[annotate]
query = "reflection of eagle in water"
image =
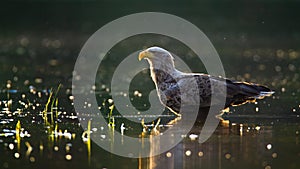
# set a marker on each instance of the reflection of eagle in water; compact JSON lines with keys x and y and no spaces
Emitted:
{"x":175,"y":88}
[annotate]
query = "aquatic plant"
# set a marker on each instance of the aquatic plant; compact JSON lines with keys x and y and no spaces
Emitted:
{"x":54,"y":102}
{"x":18,"y":131}
{"x":111,"y":119}
{"x":86,"y":135}
{"x":45,"y":111}
{"x":86,"y":138}
{"x":155,"y":130}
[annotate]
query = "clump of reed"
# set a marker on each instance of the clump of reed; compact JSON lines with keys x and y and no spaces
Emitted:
{"x":51,"y":107}
{"x":111,"y":119}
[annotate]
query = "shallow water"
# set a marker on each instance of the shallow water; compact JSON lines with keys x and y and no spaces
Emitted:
{"x":257,"y":42}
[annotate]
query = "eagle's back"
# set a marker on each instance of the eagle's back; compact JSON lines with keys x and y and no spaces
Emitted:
{"x":181,"y":88}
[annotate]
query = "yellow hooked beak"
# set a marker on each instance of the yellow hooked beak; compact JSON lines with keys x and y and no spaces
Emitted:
{"x":145,"y":54}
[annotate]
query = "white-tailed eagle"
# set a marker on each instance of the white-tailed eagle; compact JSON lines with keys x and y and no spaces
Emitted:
{"x":174,"y":87}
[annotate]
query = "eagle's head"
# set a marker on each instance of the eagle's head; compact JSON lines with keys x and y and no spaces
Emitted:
{"x":158,"y":58}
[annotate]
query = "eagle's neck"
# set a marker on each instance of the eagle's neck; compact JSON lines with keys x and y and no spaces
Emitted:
{"x":162,"y":79}
{"x":160,"y":76}
{"x":162,"y":73}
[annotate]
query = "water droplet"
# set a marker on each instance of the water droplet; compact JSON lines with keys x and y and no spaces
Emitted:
{"x":24,"y":41}
{"x":56,"y":148}
{"x":268,"y":167}
{"x":193,"y":136}
{"x":274,"y":155}
{"x":8,"y":85}
{"x":247,"y":75}
{"x":71,"y":97}
{"x":26,"y":82}
{"x":38,"y":80}
{"x":280,"y":53}
{"x":293,"y":54}
{"x":32,"y":159}
{"x":169,"y":154}
{"x":269,"y":146}
{"x":41,"y":147}
{"x":11,"y":146}
{"x":110,"y":101}
{"x":15,"y":69}
{"x":188,"y":153}
{"x":227,"y":156}
{"x":68,"y":157}
{"x":257,"y":128}
{"x":277,"y":68}
{"x":17,"y":155}
{"x":291,"y":67}
{"x":256,"y":58}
